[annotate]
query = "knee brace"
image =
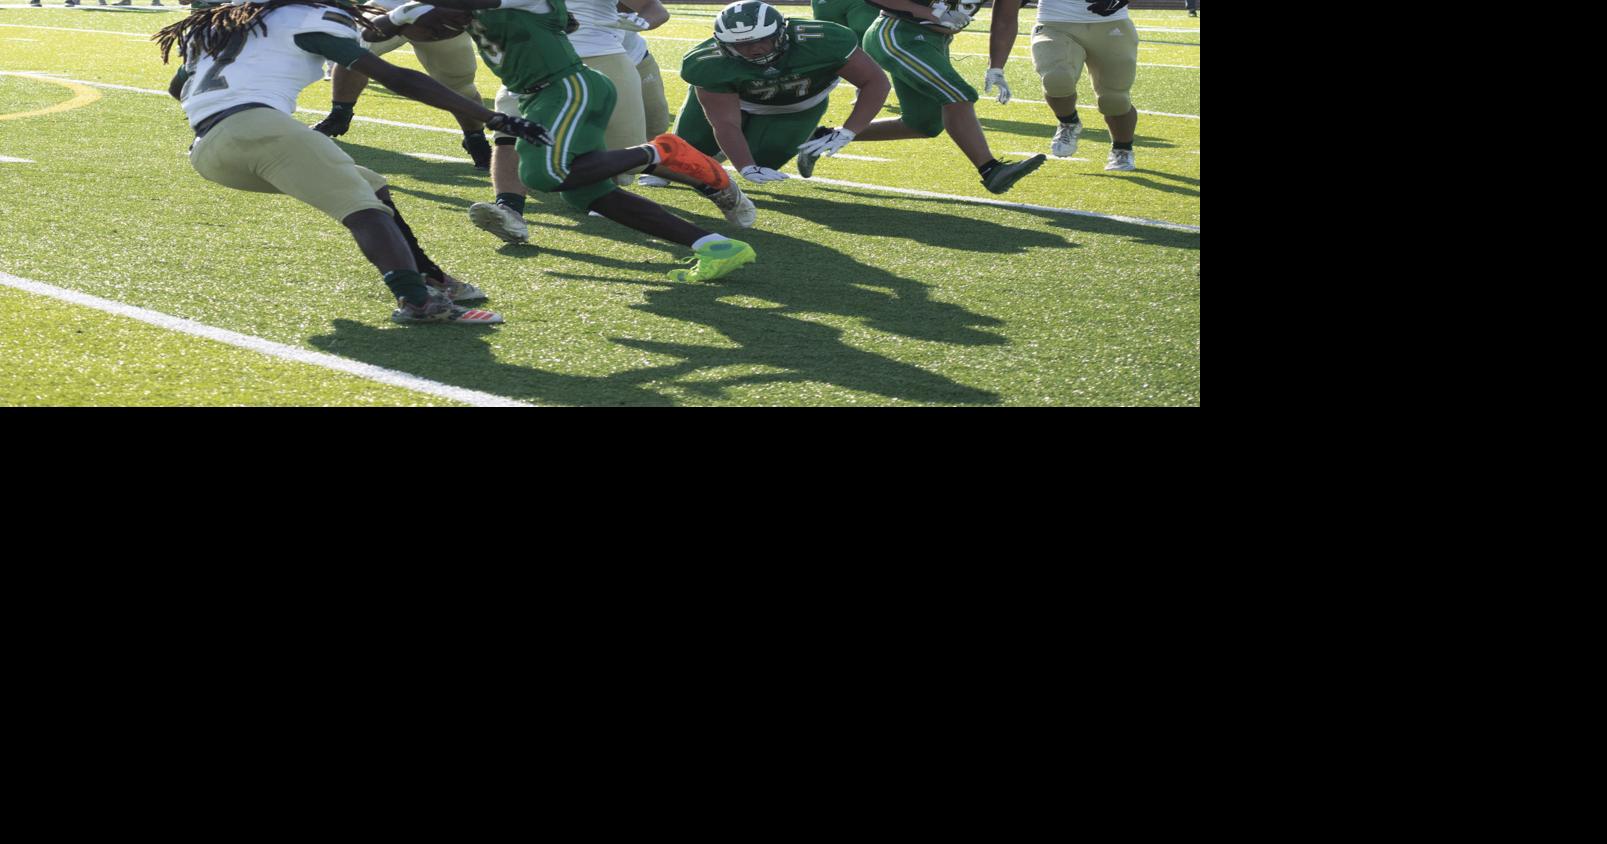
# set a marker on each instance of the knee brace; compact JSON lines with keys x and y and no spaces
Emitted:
{"x":1115,"y":105}
{"x":1059,"y":82}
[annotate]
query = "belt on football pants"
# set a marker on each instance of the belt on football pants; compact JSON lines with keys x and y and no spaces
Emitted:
{"x":211,"y":120}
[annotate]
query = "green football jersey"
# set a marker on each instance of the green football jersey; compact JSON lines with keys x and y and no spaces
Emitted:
{"x":523,"y":45}
{"x":970,"y":7}
{"x":816,"y":50}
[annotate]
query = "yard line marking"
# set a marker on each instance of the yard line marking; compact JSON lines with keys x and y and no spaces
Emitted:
{"x":82,"y":95}
{"x":1072,"y":211}
{"x":430,"y":156}
{"x":1137,"y":221}
{"x":6,"y":159}
{"x":1050,"y":158}
{"x":860,"y":157}
{"x":369,"y":371}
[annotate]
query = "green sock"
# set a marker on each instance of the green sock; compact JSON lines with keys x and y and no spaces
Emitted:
{"x":515,"y":201}
{"x":407,"y":284}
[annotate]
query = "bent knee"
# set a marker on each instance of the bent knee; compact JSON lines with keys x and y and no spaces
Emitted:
{"x":1060,"y":82}
{"x":1115,"y":105}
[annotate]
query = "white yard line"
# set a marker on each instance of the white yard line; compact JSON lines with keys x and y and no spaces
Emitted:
{"x":6,"y":159}
{"x":370,"y":372}
{"x":430,"y":156}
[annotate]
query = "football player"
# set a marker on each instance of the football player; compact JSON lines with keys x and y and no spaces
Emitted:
{"x":761,"y":84}
{"x":524,"y":44}
{"x":449,"y":61}
{"x":245,"y":65}
{"x":599,"y":43}
{"x":1069,"y":34}
{"x":911,"y":42}
{"x":655,"y":106}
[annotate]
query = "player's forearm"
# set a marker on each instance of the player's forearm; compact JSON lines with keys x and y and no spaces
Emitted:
{"x":1002,"y":31}
{"x":732,"y":142}
{"x":872,"y":95}
{"x":411,"y":83}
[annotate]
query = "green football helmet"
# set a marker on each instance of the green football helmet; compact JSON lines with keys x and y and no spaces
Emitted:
{"x":758,"y":27}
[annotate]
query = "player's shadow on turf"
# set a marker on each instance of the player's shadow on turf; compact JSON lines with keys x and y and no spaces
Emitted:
{"x":388,"y":163}
{"x":462,"y":357}
{"x":770,"y":312}
{"x":872,"y":219}
{"x":1152,"y":235}
{"x":1044,"y":130}
{"x":1144,"y":182}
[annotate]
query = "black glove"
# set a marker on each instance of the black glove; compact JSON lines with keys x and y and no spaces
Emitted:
{"x":519,"y":127}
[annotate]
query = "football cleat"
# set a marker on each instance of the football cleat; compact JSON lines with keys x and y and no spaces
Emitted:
{"x":1120,"y":159}
{"x":806,"y":162}
{"x":500,"y":220}
{"x":735,"y":205}
{"x":337,"y":123}
{"x":1064,"y":142}
{"x":1002,"y":177}
{"x":681,"y":157}
{"x":716,"y":260}
{"x":478,"y":149}
{"x":438,"y":308}
{"x":457,"y":291}
{"x":648,"y":181}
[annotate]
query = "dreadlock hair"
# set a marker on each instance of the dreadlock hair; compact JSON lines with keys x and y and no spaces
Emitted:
{"x":212,"y":29}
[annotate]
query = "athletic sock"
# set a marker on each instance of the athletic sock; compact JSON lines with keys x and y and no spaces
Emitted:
{"x":1073,"y":120}
{"x":988,"y":167}
{"x":425,"y":265}
{"x":516,"y":201}
{"x":1126,"y":145}
{"x":706,"y":240}
{"x":407,"y":285}
{"x":335,"y":106}
{"x":653,"y":157}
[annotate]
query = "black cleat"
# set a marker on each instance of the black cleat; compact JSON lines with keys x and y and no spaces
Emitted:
{"x":1000,"y":178}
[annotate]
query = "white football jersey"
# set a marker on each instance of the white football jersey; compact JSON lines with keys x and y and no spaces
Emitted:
{"x":635,"y":47}
{"x":268,"y":69}
{"x":592,"y":38}
{"x":1081,"y":11}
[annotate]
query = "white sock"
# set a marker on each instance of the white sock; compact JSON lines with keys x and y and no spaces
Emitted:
{"x":706,"y":240}
{"x":653,"y":151}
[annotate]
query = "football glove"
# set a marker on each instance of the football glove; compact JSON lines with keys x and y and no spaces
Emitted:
{"x":759,"y":175}
{"x":519,"y":128}
{"x":827,"y":144}
{"x":951,"y":18}
{"x":631,"y":22}
{"x":996,"y":77}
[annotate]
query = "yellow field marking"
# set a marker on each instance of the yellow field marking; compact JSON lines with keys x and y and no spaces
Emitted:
{"x":82,"y":95}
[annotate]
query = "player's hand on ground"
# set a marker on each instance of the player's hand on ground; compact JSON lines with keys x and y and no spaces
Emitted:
{"x":519,"y":127}
{"x":994,"y":77}
{"x":827,"y":144}
{"x":759,"y":175}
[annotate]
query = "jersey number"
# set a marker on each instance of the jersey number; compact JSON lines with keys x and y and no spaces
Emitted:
{"x":797,"y":87}
{"x":214,"y":80}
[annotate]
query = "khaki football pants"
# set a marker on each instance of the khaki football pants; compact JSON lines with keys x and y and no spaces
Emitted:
{"x":267,"y":151}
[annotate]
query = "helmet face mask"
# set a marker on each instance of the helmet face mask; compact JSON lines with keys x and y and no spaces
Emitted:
{"x":752,"y":31}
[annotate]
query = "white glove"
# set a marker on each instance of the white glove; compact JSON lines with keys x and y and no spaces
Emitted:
{"x":630,"y":21}
{"x":409,"y":12}
{"x":951,"y":18}
{"x":827,"y":144}
{"x":759,"y":175}
{"x":996,"y":77}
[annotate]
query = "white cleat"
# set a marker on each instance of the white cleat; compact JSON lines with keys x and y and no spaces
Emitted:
{"x":1120,"y":159}
{"x":1064,"y":143}
{"x":647,"y":181}
{"x":500,"y":220}
{"x":737,"y":207}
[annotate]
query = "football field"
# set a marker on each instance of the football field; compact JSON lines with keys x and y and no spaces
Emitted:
{"x":890,"y":278}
